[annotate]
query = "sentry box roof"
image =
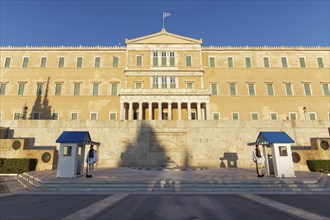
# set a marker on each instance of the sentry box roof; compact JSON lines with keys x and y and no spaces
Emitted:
{"x":76,"y":137}
{"x":272,"y":137}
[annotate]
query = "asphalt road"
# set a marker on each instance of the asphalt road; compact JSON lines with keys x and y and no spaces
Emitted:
{"x":192,"y":207}
{"x":160,"y":206}
{"x":37,"y":207}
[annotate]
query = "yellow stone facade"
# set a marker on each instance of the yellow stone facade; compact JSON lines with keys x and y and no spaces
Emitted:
{"x":164,"y":76}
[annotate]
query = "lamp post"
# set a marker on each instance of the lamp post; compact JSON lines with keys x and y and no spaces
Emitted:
{"x":305,"y":112}
{"x":25,"y":108}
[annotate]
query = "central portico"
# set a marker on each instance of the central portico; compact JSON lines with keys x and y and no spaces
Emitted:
{"x":170,"y":88}
{"x":150,"y":105}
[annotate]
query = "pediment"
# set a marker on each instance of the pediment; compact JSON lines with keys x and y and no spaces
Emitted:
{"x":163,"y":37}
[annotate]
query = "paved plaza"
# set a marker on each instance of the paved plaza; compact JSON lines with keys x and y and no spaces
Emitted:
{"x":145,"y":174}
{"x":19,"y":203}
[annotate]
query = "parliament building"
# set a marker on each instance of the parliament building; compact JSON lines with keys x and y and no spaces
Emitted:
{"x":165,"y":77}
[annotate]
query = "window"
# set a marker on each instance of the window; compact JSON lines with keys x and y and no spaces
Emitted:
{"x":172,"y":59}
{"x":266,"y":62}
{"x":61,"y":62}
{"x":188,"y":60}
{"x":248,"y":63}
{"x":312,"y":116}
{"x":254,"y":116}
{"x":96,"y":89}
{"x":21,"y":88}
{"x":114,"y":88}
{"x":284,"y":62}
{"x":172,"y":82}
{"x":112,"y":115}
{"x":288,"y":89}
{"x":139,"y":60}
{"x":74,"y":116}
{"x":189,"y":85}
{"x":283,"y":151}
{"x":58,"y":89}
{"x":214,"y":88}
{"x":25,"y":62}
{"x":43,"y":62}
{"x":55,"y":116}
{"x":93,"y":116}
{"x":164,"y":82}
{"x":273,"y":115}
{"x":35,"y":115}
{"x":155,"y":59}
{"x":115,"y":62}
{"x":320,"y":62}
{"x":292,"y":115}
{"x":3,"y":88}
{"x":326,"y":90}
{"x":67,"y":151}
{"x":97,"y":62}
{"x":212,"y":62}
{"x":230,"y":62}
{"x":251,"y":89}
{"x":155,"y":82}
{"x":307,"y":89}
{"x":39,"y":89}
{"x":76,"y":89}
{"x":7,"y":62}
{"x":232,"y":88}
{"x":270,"y":89}
{"x":138,"y":85}
{"x":235,"y":116}
{"x":302,"y":62}
{"x":163,"y":58}
{"x":216,"y":115}
{"x":17,"y":116}
{"x":79,"y":62}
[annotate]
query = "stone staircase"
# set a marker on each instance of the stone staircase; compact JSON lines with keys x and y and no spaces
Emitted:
{"x":16,"y":183}
{"x":259,"y":185}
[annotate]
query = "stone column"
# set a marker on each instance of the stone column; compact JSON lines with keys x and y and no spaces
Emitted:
{"x":189,"y":110}
{"x":160,"y":111}
{"x":130,"y":111}
{"x":140,"y":110}
{"x":150,"y":111}
{"x":208,"y":116}
{"x":179,"y":111}
{"x":169,"y":107}
{"x":122,"y":111}
{"x":199,"y":111}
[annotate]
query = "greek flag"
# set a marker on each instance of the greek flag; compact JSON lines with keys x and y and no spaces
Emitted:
{"x":166,"y":14}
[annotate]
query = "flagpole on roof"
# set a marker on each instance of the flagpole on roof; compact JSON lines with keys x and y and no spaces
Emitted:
{"x":165,"y":14}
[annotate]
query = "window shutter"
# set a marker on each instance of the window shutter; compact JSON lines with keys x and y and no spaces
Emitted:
{"x":230,"y":62}
{"x":21,"y":88}
{"x":58,"y":88}
{"x":266,"y":62}
{"x":320,"y":62}
{"x":7,"y":62}
{"x":270,"y":89}
{"x":97,"y":61}
{"x":115,"y":62}
{"x":232,"y":87}
{"x":139,"y":61}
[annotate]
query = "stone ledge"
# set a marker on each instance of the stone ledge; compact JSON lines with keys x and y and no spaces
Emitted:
{"x":170,"y":169}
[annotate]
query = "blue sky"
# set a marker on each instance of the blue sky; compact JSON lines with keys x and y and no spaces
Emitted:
{"x":217,"y":22}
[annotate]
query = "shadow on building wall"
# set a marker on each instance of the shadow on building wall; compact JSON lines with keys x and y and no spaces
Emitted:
{"x":41,"y":105}
{"x":231,"y":159}
{"x":143,"y":149}
{"x":12,"y":146}
{"x":151,"y":148}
